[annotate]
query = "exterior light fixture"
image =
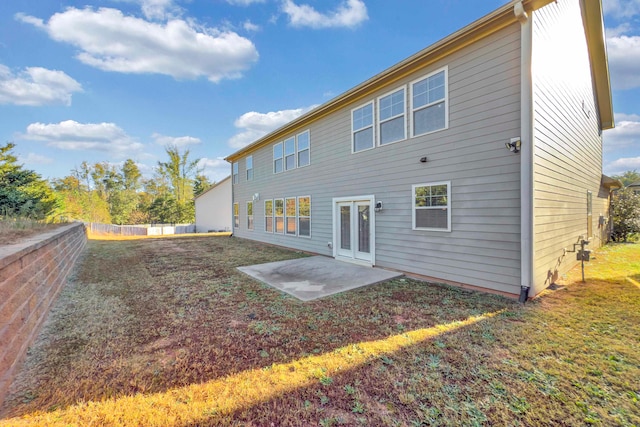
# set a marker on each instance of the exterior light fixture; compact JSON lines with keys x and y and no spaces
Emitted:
{"x":513,"y":145}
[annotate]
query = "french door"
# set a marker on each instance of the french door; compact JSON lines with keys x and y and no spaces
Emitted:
{"x":353,"y":230}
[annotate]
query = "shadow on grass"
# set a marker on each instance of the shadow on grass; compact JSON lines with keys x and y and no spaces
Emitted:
{"x":320,"y":377}
{"x":146,"y":317}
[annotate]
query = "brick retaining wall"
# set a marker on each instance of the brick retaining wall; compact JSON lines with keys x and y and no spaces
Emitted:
{"x":32,"y":273}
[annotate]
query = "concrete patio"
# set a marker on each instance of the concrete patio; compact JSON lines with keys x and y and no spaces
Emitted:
{"x":317,"y":276}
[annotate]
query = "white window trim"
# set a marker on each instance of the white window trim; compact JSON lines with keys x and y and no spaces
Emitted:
{"x":265,"y":216}
{"x":275,"y":228}
{"x":295,"y":217}
{"x":308,"y":149}
{"x":234,"y":172}
{"x":273,"y":147}
{"x":253,"y":217}
{"x":236,"y":205}
{"x":446,"y":101}
{"x":380,"y":122}
{"x":284,"y":153}
{"x":298,"y":216}
{"x":413,"y":206}
{"x":247,"y":168}
{"x":373,"y":126}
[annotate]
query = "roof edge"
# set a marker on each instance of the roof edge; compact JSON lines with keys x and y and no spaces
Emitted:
{"x":482,"y":27}
{"x":212,"y":187}
{"x":593,"y":19}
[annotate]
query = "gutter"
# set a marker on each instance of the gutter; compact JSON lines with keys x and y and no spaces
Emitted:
{"x":526,"y":153}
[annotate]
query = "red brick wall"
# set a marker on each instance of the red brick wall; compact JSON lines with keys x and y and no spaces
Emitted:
{"x":32,"y":273}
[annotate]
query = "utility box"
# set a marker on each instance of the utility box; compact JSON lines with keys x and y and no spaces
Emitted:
{"x":583,"y":255}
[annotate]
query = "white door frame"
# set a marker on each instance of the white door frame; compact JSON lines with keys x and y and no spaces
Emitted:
{"x":372,"y":228}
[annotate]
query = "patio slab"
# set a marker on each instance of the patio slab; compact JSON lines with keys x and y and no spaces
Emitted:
{"x":317,"y":276}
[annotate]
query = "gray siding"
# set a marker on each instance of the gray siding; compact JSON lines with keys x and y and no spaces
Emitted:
{"x":483,"y":247}
{"x":568,"y":147}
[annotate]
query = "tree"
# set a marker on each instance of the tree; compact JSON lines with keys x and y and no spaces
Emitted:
{"x":626,"y":214}
{"x":179,"y":172}
{"x":23,"y":192}
{"x":201,"y":184}
{"x":629,"y":177}
{"x":77,"y":202}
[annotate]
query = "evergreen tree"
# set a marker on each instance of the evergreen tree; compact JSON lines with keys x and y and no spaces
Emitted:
{"x":23,"y":192}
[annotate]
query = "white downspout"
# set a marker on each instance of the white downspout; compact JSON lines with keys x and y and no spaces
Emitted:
{"x":526,"y":153}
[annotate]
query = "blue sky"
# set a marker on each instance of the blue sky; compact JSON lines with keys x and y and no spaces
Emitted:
{"x":115,"y":79}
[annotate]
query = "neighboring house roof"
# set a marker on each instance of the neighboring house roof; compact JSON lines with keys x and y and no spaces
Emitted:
{"x":635,"y":184}
{"x":610,"y":183}
{"x":212,"y":187}
{"x":491,"y":23}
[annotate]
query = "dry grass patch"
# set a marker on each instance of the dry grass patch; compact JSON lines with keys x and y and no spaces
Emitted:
{"x":168,"y":332}
{"x":14,"y":230}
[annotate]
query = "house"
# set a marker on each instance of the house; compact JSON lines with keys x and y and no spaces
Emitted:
{"x":213,"y":208}
{"x":477,"y":161}
{"x":635,"y":187}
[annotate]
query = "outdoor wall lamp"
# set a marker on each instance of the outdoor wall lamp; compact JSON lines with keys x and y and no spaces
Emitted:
{"x":513,"y":145}
{"x":256,"y":196}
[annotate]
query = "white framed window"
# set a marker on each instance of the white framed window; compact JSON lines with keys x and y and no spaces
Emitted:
{"x":290,"y":153}
{"x":290,"y":216}
{"x":391,"y":117}
{"x":236,"y":215}
{"x":304,"y":216}
{"x":249,"y":164}
{"x":235,"y":172}
{"x":249,"y":215}
{"x":268,"y":216}
{"x":429,"y":103}
{"x":278,"y":215}
{"x":362,"y":131}
{"x":278,"y":158}
{"x":303,"y":147}
{"x":432,"y":206}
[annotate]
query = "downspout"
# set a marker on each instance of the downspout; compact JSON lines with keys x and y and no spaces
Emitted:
{"x":526,"y":153}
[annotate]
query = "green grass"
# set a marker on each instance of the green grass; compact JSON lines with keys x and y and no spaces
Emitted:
{"x":15,"y":229}
{"x":167,"y":332}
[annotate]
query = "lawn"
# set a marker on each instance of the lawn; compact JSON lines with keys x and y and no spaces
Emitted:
{"x":166,"y":332}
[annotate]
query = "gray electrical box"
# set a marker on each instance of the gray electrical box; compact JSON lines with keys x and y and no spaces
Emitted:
{"x":583,"y":255}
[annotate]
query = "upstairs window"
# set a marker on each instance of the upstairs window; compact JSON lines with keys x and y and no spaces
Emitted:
{"x":290,"y":153}
{"x":277,"y":158}
{"x":303,"y":149}
{"x":391,"y":117}
{"x":432,"y":206}
{"x":235,"y":173}
{"x":249,"y":162}
{"x":362,"y":128}
{"x":429,"y":103}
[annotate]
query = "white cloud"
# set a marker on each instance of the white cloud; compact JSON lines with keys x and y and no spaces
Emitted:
{"x":244,"y":2}
{"x":35,"y":159}
{"x":255,"y":125}
{"x":111,"y":41}
{"x":625,"y":134}
{"x":623,"y":164}
{"x":180,"y":141}
{"x":250,"y":26}
{"x":158,"y":9}
{"x":71,"y":135}
{"x":36,"y":86}
{"x":621,"y":8}
{"x":215,"y":169}
{"x":349,"y":14}
{"x":624,"y":61}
